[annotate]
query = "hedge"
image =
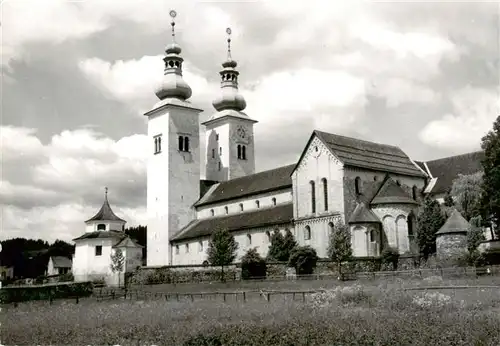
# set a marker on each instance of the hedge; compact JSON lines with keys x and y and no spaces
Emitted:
{"x":12,"y":294}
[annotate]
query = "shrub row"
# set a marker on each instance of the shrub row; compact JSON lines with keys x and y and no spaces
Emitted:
{"x":12,"y":294}
{"x":165,"y":275}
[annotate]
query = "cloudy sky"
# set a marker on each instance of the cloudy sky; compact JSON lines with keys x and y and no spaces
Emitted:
{"x":78,"y":75}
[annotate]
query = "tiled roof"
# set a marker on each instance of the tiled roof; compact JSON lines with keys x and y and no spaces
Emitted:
{"x":128,"y":242}
{"x":61,"y":262}
{"x":456,"y":223}
{"x":280,"y":214}
{"x":363,"y":214}
{"x":102,"y":235}
{"x":447,"y":169}
{"x":363,"y":154}
{"x":392,"y":193}
{"x":275,"y":179}
{"x":205,"y":186}
{"x":105,"y":213}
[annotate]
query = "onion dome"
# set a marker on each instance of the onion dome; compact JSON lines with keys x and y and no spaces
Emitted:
{"x":230,"y":98}
{"x":173,"y":85}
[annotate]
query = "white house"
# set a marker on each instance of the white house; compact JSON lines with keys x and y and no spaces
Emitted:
{"x":103,"y":237}
{"x":58,"y":265}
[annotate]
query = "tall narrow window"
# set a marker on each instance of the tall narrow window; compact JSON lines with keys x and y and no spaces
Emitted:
{"x":220,"y":150}
{"x":249,"y":239}
{"x":257,"y":204}
{"x":241,"y":206}
{"x":357,"y":185}
{"x":243,"y":152}
{"x":274,"y":201}
{"x":313,"y":197}
{"x":213,"y":153}
{"x":325,"y":193}
{"x":239,"y":151}
{"x":217,"y":137}
{"x":186,"y":144}
{"x":372,"y":236}
{"x":307,"y":233}
{"x":157,"y":144}
{"x":226,"y":209}
{"x":177,"y":249}
{"x":187,"y":248}
{"x":220,"y":166}
{"x":414,"y":192}
{"x":212,"y":212}
{"x":98,"y":250}
{"x":200,"y":246}
{"x":181,"y":143}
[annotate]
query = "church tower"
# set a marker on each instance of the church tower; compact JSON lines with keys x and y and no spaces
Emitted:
{"x":173,"y":177}
{"x":229,"y":132}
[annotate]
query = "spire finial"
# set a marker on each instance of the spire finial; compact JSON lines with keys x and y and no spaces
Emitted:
{"x":228,"y":32}
{"x":106,"y":192}
{"x":173,"y":14}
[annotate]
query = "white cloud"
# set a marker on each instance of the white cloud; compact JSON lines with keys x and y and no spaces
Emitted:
{"x":397,"y":91}
{"x":134,"y":81}
{"x":475,"y":110}
{"x":66,"y":181}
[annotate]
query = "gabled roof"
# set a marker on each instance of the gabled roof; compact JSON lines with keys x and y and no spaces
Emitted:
{"x":363,"y":214}
{"x":128,"y":242}
{"x":363,"y":154}
{"x":447,"y":169}
{"x":61,"y":262}
{"x":102,"y":235}
{"x":281,"y":214}
{"x":105,"y":213}
{"x":456,"y":223}
{"x":391,"y":193}
{"x":266,"y":181}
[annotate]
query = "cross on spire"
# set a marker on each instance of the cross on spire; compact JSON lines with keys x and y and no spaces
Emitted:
{"x":106,"y":192}
{"x":173,"y":14}
{"x":228,"y":32}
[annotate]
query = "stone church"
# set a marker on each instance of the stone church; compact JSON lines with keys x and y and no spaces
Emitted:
{"x":374,"y":188}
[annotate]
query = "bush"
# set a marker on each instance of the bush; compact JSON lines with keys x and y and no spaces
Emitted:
{"x":68,"y":277}
{"x":55,"y":291}
{"x":303,"y":259}
{"x":390,"y":256}
{"x":253,"y":265}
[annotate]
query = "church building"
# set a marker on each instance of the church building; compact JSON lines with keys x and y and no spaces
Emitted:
{"x":373,"y":188}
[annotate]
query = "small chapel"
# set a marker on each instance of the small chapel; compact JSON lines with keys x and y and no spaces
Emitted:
{"x":104,"y":235}
{"x":374,"y":188}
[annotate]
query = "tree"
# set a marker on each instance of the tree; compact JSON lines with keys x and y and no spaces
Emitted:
{"x":391,"y":256}
{"x":253,"y":265}
{"x":303,"y":259}
{"x":490,"y":201}
{"x":221,"y":249}
{"x":281,"y":246}
{"x":467,"y":190}
{"x":475,"y":235}
{"x":339,"y":245}
{"x":139,"y":234}
{"x":448,"y":199}
{"x":117,"y":261}
{"x":429,"y":220}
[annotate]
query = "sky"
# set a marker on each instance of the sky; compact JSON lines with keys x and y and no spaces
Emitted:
{"x":77,"y":77}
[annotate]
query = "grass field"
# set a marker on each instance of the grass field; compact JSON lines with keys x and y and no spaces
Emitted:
{"x":376,"y":313}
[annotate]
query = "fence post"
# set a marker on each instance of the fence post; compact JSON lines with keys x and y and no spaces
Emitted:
{"x":113,"y":294}
{"x":224,"y":295}
{"x":192,"y":298}
{"x":268,"y":296}
{"x":303,"y":296}
{"x":244,"y":296}
{"x":177,"y":295}
{"x":77,"y":299}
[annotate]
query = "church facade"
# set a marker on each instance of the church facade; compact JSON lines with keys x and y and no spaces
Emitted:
{"x":373,"y":188}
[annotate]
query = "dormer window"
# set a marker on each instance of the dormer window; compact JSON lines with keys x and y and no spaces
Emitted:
{"x":157,"y":141}
{"x":101,"y":227}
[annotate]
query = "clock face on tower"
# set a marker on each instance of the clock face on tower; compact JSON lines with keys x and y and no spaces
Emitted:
{"x":240,"y":132}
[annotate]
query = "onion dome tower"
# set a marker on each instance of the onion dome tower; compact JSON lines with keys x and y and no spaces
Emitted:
{"x":173,"y":85}
{"x":229,"y":131}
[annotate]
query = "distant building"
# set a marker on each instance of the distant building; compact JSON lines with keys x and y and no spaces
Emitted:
{"x":104,"y":235}
{"x":59,"y":265}
{"x":6,"y":272}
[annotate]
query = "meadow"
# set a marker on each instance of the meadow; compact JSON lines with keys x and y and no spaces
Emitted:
{"x":351,"y":313}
